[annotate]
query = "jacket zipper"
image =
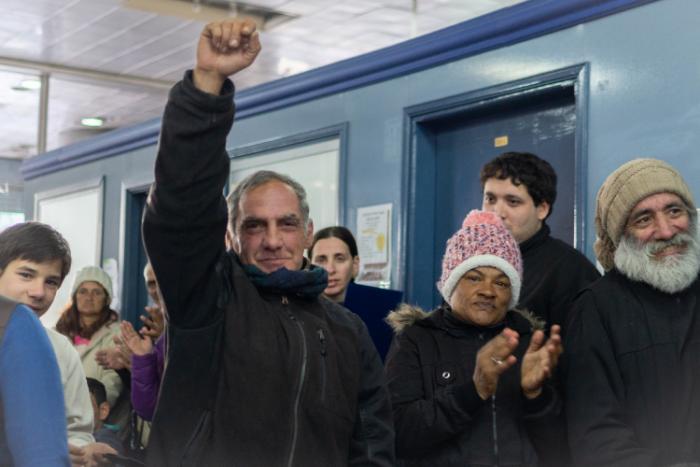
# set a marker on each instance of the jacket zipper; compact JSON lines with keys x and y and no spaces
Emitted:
{"x":322,"y":342}
{"x":495,"y":429}
{"x":302,"y":375}
{"x":191,"y":458}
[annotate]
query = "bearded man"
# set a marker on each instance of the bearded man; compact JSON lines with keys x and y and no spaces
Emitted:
{"x":633,"y":377}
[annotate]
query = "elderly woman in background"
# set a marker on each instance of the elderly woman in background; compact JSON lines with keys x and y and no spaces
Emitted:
{"x":91,"y":325}
{"x":335,"y":250}
{"x":468,"y":381}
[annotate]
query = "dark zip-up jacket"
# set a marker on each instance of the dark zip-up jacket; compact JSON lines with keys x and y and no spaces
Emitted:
{"x":252,"y":378}
{"x":440,"y":418}
{"x":554,"y":274}
{"x":633,"y":377}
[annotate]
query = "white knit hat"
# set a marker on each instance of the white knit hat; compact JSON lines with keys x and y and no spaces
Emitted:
{"x":93,"y":274}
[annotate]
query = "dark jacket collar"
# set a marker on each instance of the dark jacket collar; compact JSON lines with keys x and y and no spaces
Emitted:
{"x":443,"y":318}
{"x":533,"y":242}
{"x":643,"y":287}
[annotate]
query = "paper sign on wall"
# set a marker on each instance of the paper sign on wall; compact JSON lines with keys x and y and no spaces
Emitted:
{"x":374,"y":245}
{"x":500,"y":141}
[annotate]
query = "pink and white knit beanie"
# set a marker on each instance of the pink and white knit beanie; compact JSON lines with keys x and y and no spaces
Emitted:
{"x":483,"y":240}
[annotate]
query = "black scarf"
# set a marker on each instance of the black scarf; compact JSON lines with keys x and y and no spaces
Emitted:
{"x":306,"y":283}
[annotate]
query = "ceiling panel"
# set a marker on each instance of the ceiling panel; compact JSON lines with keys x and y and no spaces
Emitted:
{"x":124,"y":45}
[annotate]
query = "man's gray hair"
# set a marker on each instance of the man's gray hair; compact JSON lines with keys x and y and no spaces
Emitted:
{"x":257,"y":179}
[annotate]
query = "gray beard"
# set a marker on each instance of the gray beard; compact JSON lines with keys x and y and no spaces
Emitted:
{"x":669,"y":274}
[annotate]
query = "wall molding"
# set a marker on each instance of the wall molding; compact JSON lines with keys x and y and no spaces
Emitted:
{"x":504,"y":27}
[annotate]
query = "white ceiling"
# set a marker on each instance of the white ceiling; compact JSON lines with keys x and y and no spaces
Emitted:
{"x":117,"y":58}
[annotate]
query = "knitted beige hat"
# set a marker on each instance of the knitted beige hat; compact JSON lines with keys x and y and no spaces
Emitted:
{"x":622,"y":190}
{"x":93,"y":274}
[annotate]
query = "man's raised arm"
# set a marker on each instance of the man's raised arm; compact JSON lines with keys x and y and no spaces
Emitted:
{"x":185,"y":219}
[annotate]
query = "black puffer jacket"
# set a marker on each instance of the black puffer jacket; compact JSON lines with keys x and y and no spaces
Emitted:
{"x":253,"y":377}
{"x":439,"y":417}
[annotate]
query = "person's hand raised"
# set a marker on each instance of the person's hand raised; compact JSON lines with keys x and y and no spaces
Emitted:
{"x":153,"y":322}
{"x":138,"y":345}
{"x":225,"y":48}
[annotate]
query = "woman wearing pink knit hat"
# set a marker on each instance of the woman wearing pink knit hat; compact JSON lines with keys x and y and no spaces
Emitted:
{"x":469,"y":381}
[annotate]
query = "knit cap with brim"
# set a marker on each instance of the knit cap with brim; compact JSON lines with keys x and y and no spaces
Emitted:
{"x":620,"y":193}
{"x":93,"y":274}
{"x":483,"y":240}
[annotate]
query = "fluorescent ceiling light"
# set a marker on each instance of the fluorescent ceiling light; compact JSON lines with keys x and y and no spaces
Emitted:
{"x":92,"y":122}
{"x":31,"y":84}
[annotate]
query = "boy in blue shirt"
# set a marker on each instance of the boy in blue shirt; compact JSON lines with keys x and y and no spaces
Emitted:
{"x":30,"y":390}
{"x":34,"y":261}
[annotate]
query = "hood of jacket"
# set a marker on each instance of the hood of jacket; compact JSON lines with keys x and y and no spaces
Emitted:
{"x":406,"y":315}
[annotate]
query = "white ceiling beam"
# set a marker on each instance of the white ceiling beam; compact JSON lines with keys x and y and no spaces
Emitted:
{"x":84,"y":73}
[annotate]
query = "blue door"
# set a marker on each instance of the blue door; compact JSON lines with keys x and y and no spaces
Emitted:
{"x":134,"y":292}
{"x":450,"y":155}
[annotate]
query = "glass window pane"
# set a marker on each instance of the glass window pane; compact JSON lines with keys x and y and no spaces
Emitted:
{"x":313,"y":165}
{"x":8,"y":219}
{"x":60,"y":211}
{"x":71,"y":99}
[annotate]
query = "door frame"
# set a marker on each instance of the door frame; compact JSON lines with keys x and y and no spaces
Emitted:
{"x":418,"y":166}
{"x":130,"y":241}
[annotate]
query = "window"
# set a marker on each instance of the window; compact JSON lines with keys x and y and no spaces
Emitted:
{"x":314,"y":165}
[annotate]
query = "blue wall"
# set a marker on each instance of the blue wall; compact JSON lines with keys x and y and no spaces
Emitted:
{"x":644,"y":100}
{"x":10,"y":175}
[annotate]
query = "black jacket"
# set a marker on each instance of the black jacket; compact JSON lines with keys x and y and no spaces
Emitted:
{"x":633,"y":377}
{"x":554,"y":273}
{"x":252,"y":378}
{"x":440,"y":418}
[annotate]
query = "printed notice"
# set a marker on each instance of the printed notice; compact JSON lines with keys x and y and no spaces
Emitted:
{"x":500,"y":141}
{"x":373,"y":243}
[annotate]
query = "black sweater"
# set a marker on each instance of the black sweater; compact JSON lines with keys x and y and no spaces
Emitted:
{"x":554,"y":273}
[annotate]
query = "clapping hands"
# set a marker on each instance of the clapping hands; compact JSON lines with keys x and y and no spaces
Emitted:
{"x":540,"y":360}
{"x":496,"y":357}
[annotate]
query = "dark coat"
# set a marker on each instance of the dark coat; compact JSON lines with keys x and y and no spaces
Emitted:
{"x":252,"y":378}
{"x":440,"y":418}
{"x":554,"y":274}
{"x":633,"y":378}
